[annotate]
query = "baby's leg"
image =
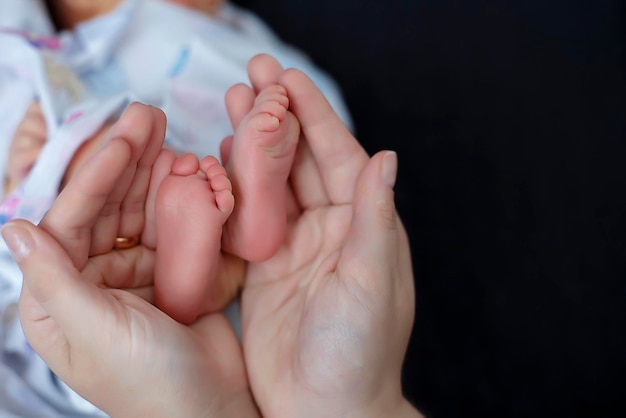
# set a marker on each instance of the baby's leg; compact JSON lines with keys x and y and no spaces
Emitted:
{"x":192,"y":204}
{"x":259,"y":164}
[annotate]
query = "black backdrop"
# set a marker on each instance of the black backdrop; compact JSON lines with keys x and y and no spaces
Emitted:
{"x":510,"y":122}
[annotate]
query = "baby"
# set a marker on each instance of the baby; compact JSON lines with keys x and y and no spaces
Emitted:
{"x":60,"y":92}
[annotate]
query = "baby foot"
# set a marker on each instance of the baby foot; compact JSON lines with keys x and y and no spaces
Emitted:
{"x":192,"y":204}
{"x":259,"y":163}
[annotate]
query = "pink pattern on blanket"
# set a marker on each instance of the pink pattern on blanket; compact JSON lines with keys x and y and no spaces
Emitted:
{"x":36,"y":40}
{"x":8,"y":208}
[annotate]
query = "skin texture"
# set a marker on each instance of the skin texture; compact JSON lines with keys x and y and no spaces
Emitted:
{"x":206,"y":6}
{"x":84,"y":152}
{"x":195,"y":200}
{"x":263,"y":149}
{"x":315,"y":314}
{"x":69,"y":13}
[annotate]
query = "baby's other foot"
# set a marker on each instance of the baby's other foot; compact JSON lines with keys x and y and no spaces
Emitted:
{"x":260,"y":160}
{"x":193,"y":203}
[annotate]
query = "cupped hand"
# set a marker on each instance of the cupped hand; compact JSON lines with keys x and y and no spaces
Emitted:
{"x":84,"y":309}
{"x":326,"y":321}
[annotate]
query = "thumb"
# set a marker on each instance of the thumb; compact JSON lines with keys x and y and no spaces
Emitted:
{"x":377,"y":258}
{"x":376,"y":235}
{"x":56,"y":306}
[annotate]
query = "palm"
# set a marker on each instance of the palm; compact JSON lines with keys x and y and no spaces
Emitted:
{"x":319,"y":317}
{"x":138,"y":334}
{"x":307,"y":318}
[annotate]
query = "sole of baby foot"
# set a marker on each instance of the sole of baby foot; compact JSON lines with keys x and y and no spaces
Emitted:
{"x":261,"y":157}
{"x":192,"y":205}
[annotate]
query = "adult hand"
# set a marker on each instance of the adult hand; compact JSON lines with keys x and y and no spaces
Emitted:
{"x":326,"y":321}
{"x":110,"y":345}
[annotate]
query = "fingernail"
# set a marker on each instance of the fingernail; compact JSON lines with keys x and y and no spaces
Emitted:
{"x":389,"y":169}
{"x":18,"y":240}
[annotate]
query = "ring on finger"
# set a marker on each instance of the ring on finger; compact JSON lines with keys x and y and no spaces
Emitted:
{"x":124,"y":243}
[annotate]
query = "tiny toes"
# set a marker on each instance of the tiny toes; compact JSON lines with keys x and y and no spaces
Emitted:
{"x":274,"y":93}
{"x":225,"y":202}
{"x":208,"y":163}
{"x":216,"y":174}
{"x":270,"y":108}
{"x":215,"y":171}
{"x":273,"y":108}
{"x":220,"y":183}
{"x":266,"y":122}
{"x":185,"y":165}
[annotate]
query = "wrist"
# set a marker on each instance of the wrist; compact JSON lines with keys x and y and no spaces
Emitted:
{"x":398,"y":408}
{"x":235,"y":405}
{"x":406,"y":410}
{"x":240,"y":406}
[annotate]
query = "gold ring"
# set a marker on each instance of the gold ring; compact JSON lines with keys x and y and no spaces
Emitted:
{"x":123,"y":243}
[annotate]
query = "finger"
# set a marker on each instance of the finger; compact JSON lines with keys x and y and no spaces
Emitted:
{"x":225,"y":147}
{"x":376,"y":242}
{"x":33,"y":128}
{"x":57,"y":307}
{"x":162,"y":168}
{"x":21,"y":162}
{"x":33,"y":123}
{"x":35,"y":114}
{"x":133,"y":209}
{"x":26,"y":153}
{"x":294,"y":210}
{"x":79,"y":205}
{"x":376,"y":254}
{"x":306,"y":179}
{"x":136,"y":127}
{"x":239,"y":101}
{"x":26,"y":138}
{"x":338,"y":155}
{"x":130,"y":269}
{"x":263,"y":71}
{"x":34,"y":110}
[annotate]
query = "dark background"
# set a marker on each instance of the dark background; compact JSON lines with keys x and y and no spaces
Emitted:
{"x":510,"y":123}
